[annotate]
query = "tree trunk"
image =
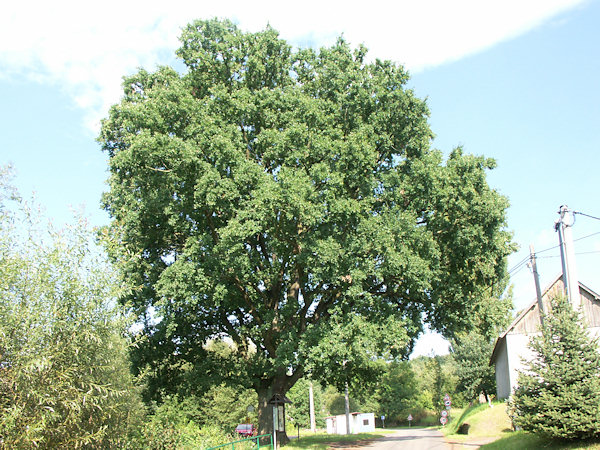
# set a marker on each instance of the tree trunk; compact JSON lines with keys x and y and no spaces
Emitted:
{"x":265,"y":392}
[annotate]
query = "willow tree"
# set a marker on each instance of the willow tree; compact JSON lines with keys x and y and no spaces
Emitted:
{"x":272,"y":195}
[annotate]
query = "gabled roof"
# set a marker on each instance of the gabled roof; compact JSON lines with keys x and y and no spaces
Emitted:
{"x":529,"y":308}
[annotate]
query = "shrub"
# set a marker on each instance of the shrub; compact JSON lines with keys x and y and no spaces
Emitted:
{"x":173,"y":425}
{"x":64,"y":369}
{"x":559,"y":396}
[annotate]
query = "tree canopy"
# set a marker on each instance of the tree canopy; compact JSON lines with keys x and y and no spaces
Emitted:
{"x":269,"y":194}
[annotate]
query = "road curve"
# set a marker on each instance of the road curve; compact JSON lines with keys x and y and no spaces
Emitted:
{"x":406,"y":439}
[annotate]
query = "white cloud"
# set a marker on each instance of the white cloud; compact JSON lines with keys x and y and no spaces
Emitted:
{"x":430,"y":343}
{"x":86,"y":47}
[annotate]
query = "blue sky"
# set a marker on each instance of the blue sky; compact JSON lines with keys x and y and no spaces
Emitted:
{"x":518,"y":81}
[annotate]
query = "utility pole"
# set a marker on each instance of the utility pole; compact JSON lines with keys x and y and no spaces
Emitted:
{"x":347,"y":402}
{"x":563,"y":225}
{"x":536,"y":279}
{"x":311,"y":406}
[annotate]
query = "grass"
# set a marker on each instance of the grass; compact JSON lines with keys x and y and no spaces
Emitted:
{"x":494,"y":424}
{"x":521,"y":440}
{"x":323,"y":441}
{"x":485,"y":422}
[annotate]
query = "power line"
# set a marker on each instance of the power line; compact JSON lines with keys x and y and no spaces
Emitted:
{"x":517,"y":270}
{"x":548,"y":249}
{"x":586,"y":215}
{"x":585,"y":237}
{"x":518,"y":265}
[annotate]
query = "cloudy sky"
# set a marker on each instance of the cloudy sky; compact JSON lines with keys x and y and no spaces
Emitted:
{"x":518,"y":81}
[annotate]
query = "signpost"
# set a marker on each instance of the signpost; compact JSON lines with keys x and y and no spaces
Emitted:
{"x":278,"y":401}
{"x":410,"y":418}
{"x":445,"y":413}
{"x":383,"y":421}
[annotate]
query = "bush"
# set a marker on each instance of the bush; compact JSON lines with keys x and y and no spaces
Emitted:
{"x":64,"y":368}
{"x":173,"y":425}
{"x":559,"y":396}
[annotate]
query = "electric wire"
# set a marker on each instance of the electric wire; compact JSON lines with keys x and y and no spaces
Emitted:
{"x":525,"y":260}
{"x":585,"y":237}
{"x":586,"y":215}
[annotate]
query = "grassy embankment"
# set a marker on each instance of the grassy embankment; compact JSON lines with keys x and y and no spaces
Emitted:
{"x":491,"y":428}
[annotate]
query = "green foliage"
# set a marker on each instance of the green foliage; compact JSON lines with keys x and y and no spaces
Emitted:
{"x":398,"y":394}
{"x":299,"y":410}
{"x":274,"y":196}
{"x":346,"y":350}
{"x":226,"y":407}
{"x":64,"y":371}
{"x":471,"y":352}
{"x":559,"y":395}
{"x":336,"y":404}
{"x":435,"y":378}
{"x":173,"y":425}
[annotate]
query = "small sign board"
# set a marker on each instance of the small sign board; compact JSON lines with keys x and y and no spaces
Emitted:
{"x":446,"y":398}
{"x":444,"y":413}
{"x":443,"y":420}
{"x":410,"y":417}
{"x":447,"y":403}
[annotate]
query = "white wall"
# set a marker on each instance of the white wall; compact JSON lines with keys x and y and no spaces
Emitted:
{"x":337,"y":424}
{"x":363,"y":423}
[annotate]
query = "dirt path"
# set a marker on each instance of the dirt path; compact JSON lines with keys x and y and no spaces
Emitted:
{"x":406,"y":439}
{"x":471,"y":444}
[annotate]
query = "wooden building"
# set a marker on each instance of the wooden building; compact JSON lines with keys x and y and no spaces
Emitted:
{"x":512,"y":346}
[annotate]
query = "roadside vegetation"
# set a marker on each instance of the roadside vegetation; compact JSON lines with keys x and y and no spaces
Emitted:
{"x":523,"y":440}
{"x":491,"y":429}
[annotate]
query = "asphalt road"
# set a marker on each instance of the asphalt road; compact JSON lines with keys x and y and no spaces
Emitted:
{"x":408,"y":439}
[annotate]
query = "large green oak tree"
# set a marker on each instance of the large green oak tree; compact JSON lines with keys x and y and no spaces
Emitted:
{"x":287,"y":200}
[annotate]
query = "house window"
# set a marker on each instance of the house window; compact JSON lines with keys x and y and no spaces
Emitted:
{"x":366,"y":422}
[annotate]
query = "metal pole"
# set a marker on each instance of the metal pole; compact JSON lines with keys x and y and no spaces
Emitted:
{"x":563,"y":226}
{"x":275,"y":427}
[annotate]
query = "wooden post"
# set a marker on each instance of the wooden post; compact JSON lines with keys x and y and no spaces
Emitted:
{"x":536,"y":279}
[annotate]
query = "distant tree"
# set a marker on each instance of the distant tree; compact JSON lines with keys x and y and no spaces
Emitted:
{"x":299,"y":410}
{"x":64,"y":372}
{"x":335,"y":402}
{"x":558,"y":395}
{"x":436,"y":377}
{"x":268,"y":191}
{"x":472,"y":352}
{"x":397,"y":392}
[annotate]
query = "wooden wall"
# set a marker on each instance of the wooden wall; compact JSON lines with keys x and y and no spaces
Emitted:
{"x":530,"y":322}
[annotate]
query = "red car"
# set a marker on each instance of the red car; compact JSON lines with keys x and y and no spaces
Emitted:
{"x":245,"y":429}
